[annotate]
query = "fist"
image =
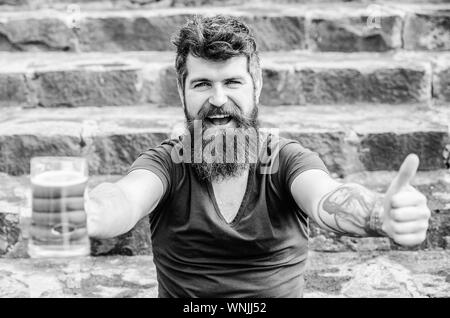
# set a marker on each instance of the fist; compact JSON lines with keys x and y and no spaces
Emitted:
{"x":406,"y":214}
{"x":108,"y":214}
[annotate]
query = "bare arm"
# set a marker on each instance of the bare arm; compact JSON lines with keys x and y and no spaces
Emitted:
{"x":401,"y":213}
{"x":115,"y":208}
{"x":349,"y":209}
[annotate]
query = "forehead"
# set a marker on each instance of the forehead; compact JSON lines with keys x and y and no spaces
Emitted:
{"x":201,"y":68}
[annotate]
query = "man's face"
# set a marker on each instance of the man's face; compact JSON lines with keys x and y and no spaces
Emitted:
{"x":219,"y":93}
{"x":221,"y":96}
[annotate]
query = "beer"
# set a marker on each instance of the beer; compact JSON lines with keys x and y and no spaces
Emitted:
{"x":58,"y":220}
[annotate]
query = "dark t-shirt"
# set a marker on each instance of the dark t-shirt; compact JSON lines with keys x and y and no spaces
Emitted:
{"x":261,"y":253}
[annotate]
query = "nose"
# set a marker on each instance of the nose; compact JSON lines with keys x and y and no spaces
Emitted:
{"x":218,"y":98}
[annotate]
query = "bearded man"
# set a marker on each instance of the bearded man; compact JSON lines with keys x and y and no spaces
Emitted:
{"x":228,"y":204}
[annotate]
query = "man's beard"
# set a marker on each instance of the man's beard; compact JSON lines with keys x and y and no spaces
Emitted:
{"x":216,"y":163}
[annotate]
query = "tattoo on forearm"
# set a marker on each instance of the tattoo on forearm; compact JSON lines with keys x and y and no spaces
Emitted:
{"x":352,"y":209}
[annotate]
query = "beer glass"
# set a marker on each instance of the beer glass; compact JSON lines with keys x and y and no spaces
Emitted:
{"x":58,"y":220}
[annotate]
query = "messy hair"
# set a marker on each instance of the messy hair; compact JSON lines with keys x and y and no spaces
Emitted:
{"x":216,"y":38}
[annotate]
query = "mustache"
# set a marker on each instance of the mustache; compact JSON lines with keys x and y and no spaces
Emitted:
{"x":228,"y":109}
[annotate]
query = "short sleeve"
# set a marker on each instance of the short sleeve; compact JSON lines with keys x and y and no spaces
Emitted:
{"x":157,"y":160}
{"x":295,"y":159}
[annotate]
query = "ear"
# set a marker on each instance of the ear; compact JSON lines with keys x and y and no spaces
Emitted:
{"x":181,"y":94}
{"x":258,"y":86}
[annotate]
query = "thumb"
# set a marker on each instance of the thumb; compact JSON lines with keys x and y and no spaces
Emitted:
{"x":405,"y":174}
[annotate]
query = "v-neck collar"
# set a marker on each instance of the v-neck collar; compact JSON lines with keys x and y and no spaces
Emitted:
{"x":244,"y":201}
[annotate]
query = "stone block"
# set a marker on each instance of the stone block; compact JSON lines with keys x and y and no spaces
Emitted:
{"x":278,"y":33}
{"x":319,"y":82}
{"x":352,"y":34}
{"x":17,"y":150}
{"x":428,"y":29}
{"x":14,"y":90}
{"x":386,"y":151}
{"x":129,"y":32}
{"x":95,"y":85}
{"x":32,"y":33}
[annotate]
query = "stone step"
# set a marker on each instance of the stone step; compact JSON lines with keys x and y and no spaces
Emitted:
{"x":349,"y":139}
{"x":15,"y":213}
{"x":343,"y":27}
{"x":327,"y":275}
{"x":55,"y":79}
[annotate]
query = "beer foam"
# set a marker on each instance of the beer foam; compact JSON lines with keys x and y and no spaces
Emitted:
{"x":60,"y":178}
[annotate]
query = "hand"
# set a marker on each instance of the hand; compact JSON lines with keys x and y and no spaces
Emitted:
{"x":406,"y":214}
{"x":108,"y":214}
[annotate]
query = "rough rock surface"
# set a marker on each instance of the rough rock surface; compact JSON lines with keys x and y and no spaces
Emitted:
{"x":104,"y":85}
{"x":14,"y":90}
{"x":372,"y":28}
{"x":428,"y":28}
{"x":369,"y":274}
{"x":378,"y":275}
{"x":290,"y":25}
{"x":294,"y":78}
{"x":332,"y":78}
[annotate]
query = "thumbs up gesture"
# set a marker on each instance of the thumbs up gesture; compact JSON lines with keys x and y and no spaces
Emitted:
{"x":406,"y":213}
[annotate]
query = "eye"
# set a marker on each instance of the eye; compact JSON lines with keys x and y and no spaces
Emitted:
{"x":233,"y":83}
{"x":201,"y":84}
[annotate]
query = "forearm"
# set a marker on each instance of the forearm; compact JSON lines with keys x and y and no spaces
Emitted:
{"x":351,"y":209}
{"x":109,"y":211}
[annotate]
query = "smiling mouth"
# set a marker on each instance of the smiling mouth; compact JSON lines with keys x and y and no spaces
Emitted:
{"x":219,"y":120}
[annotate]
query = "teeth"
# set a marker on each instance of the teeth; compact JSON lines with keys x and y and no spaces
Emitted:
{"x":218,"y":116}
